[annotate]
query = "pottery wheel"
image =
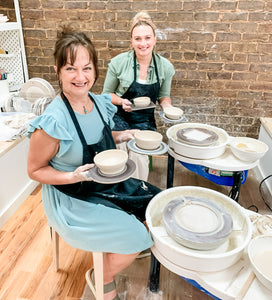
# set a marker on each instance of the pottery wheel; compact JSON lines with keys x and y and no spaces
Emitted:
{"x":197,"y":223}
{"x":197,"y":136}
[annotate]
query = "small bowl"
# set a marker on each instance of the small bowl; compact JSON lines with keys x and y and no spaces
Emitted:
{"x":248,"y":149}
{"x":173,"y":113}
{"x":148,"y":139}
{"x":141,"y":101}
{"x":260,"y":256}
{"x":111,"y":162}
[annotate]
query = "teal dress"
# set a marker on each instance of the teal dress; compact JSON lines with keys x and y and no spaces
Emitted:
{"x":86,"y":225}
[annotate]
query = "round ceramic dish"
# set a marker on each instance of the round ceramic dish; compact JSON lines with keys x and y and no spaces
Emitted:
{"x":36,"y":88}
{"x":248,"y":149}
{"x":133,"y":147}
{"x":148,"y":139}
{"x":141,"y":101}
{"x":111,"y":162}
{"x":197,"y":136}
{"x":100,"y":178}
{"x":260,"y":256}
{"x":173,"y":113}
{"x":212,"y":260}
{"x":197,"y":223}
{"x":193,"y":151}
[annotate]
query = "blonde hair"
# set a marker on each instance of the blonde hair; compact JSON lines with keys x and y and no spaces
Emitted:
{"x":142,"y":18}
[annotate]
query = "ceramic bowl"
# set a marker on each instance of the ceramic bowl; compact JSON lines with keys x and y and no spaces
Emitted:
{"x":248,"y":149}
{"x":141,"y":101}
{"x":173,"y":113}
{"x":260,"y":256}
{"x":148,"y":139}
{"x":212,"y":260}
{"x":111,"y":162}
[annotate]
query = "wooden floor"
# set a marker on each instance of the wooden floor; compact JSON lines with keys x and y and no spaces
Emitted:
{"x":27,"y":272}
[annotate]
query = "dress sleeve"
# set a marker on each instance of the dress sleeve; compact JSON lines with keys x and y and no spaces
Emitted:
{"x":169,"y":72}
{"x":53,"y":128}
{"x":111,"y":81}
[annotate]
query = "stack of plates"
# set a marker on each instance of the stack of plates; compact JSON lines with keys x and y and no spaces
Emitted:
{"x":36,"y":88}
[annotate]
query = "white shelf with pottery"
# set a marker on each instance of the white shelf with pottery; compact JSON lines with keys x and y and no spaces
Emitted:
{"x":12,"y":41}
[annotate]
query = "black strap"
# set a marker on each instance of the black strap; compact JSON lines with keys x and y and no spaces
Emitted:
{"x":155,"y":64}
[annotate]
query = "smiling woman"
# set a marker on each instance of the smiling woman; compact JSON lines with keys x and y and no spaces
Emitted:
{"x":89,"y":215}
{"x":140,"y":72}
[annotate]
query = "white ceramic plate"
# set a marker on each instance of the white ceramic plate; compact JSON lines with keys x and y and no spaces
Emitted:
{"x":100,"y":178}
{"x":197,"y":136}
{"x":161,"y":150}
{"x":197,"y":222}
{"x":151,"y":105}
{"x":36,"y":88}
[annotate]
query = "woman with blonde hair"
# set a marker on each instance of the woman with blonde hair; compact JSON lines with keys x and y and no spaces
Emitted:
{"x":139,"y":72}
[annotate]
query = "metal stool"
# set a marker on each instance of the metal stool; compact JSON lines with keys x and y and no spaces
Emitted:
{"x":97,"y":264}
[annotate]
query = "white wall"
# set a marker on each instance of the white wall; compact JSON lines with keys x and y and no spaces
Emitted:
{"x":264,"y":167}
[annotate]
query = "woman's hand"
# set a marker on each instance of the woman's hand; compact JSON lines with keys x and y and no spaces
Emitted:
{"x":80,"y":174}
{"x":123,"y":136}
{"x":126,"y":105}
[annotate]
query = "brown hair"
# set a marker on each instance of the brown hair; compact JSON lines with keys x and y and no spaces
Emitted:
{"x":68,"y":42}
{"x":142,"y":18}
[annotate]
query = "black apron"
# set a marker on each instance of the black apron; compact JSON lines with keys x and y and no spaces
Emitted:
{"x":131,"y":195}
{"x":141,"y":119}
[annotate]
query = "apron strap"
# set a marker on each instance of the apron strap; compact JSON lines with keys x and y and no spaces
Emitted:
{"x":155,"y":64}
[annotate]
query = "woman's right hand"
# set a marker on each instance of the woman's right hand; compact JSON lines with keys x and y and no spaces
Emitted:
{"x":126,"y":105}
{"x":80,"y":174}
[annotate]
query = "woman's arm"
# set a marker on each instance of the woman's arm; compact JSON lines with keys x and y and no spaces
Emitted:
{"x":42,"y":149}
{"x":165,"y":102}
{"x":116,"y":100}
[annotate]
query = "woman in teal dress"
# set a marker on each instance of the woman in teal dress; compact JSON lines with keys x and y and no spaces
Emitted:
{"x":63,"y":141}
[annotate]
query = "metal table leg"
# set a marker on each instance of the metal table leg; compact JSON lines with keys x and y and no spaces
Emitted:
{"x":237,"y":181}
{"x":154,"y":272}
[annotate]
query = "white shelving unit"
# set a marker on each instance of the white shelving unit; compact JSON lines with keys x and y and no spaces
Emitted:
{"x":11,"y":40}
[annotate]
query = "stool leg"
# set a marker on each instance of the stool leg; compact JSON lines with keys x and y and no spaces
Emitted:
{"x":55,"y":246}
{"x":98,"y":275}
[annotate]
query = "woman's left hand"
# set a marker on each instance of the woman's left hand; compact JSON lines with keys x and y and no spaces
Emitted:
{"x":124,"y":136}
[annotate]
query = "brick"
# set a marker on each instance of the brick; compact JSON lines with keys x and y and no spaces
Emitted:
{"x":251,"y":5}
{"x":196,"y":5}
{"x":75,"y":5}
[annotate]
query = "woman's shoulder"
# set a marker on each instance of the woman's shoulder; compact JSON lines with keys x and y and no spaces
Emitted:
{"x":122,"y":57}
{"x":162,"y":60}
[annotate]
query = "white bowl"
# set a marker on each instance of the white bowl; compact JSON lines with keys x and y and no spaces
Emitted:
{"x":148,"y":139}
{"x":141,"y":101}
{"x":260,"y":256}
{"x":248,"y":149}
{"x":193,"y":151}
{"x":111,"y":162}
{"x":173,"y":113}
{"x":199,"y":260}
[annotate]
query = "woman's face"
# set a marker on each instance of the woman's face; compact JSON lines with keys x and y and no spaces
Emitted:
{"x":143,"y":40}
{"x":77,"y":79}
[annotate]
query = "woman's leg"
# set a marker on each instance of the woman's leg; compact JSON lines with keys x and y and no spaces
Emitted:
{"x":113,"y":264}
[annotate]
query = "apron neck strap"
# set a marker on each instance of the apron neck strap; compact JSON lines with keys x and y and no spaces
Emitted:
{"x":155,"y":64}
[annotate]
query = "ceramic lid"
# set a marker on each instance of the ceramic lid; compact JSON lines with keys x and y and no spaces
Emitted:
{"x":196,"y":222}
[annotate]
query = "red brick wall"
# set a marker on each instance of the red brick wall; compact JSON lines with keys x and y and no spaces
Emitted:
{"x":221,"y":50}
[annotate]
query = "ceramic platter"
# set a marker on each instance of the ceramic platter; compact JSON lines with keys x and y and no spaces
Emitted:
{"x":133,"y":147}
{"x":36,"y":88}
{"x":151,"y":105}
{"x":97,"y":176}
{"x":197,"y":223}
{"x":197,"y":136}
